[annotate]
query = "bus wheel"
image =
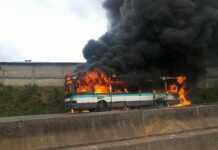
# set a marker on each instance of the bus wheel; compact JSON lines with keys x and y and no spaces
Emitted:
{"x":160,"y":103}
{"x":125,"y":108}
{"x":101,"y":106}
{"x":91,"y":110}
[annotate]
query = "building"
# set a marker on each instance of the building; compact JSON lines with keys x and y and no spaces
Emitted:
{"x":52,"y":74}
{"x":35,"y":73}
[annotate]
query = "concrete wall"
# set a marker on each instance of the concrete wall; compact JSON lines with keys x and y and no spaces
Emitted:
{"x":51,"y":131}
{"x":41,"y":74}
{"x":195,"y":140}
{"x":52,"y":74}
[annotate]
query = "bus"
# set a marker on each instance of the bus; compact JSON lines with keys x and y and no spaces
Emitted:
{"x":117,"y":97}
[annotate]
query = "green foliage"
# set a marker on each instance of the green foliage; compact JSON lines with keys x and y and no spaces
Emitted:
{"x":29,"y":100}
{"x":205,"y":96}
{"x":32,"y":100}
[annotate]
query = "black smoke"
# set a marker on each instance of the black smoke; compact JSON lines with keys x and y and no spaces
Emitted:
{"x":147,"y":39}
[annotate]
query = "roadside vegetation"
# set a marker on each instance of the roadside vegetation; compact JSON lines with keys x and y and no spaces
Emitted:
{"x":30,"y":100}
{"x":205,"y":96}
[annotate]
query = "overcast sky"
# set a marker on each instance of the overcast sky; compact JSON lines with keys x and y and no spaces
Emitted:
{"x":49,"y":30}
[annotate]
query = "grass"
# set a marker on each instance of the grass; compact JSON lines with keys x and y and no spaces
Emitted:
{"x":30,"y":100}
{"x":205,"y":96}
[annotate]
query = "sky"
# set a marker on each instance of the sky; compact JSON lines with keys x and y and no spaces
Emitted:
{"x":49,"y":30}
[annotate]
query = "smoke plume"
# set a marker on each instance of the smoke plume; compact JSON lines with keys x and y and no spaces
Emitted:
{"x":147,"y":39}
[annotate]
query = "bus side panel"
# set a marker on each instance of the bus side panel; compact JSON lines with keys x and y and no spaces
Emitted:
{"x":118,"y":100}
{"x":143,"y":99}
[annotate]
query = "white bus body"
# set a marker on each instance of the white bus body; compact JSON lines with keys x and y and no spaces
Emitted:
{"x":105,"y":101}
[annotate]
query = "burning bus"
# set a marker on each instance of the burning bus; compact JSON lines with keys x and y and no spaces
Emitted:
{"x":147,"y":40}
{"x":94,"y":90}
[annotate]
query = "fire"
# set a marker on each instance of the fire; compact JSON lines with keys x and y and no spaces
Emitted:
{"x":94,"y":81}
{"x":98,"y":82}
{"x":184,"y":101}
{"x":173,"y":88}
{"x":99,"y":89}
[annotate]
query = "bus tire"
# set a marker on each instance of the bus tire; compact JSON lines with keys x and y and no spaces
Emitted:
{"x":101,"y":106}
{"x":91,"y":110}
{"x":125,"y":107}
{"x":160,"y":103}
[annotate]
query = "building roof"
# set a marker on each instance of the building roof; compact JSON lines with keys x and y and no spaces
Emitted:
{"x":41,"y":63}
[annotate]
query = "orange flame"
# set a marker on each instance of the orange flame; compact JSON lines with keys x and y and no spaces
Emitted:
{"x":184,"y":101}
{"x":172,"y":88}
{"x":99,"y":89}
{"x":94,"y":81}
